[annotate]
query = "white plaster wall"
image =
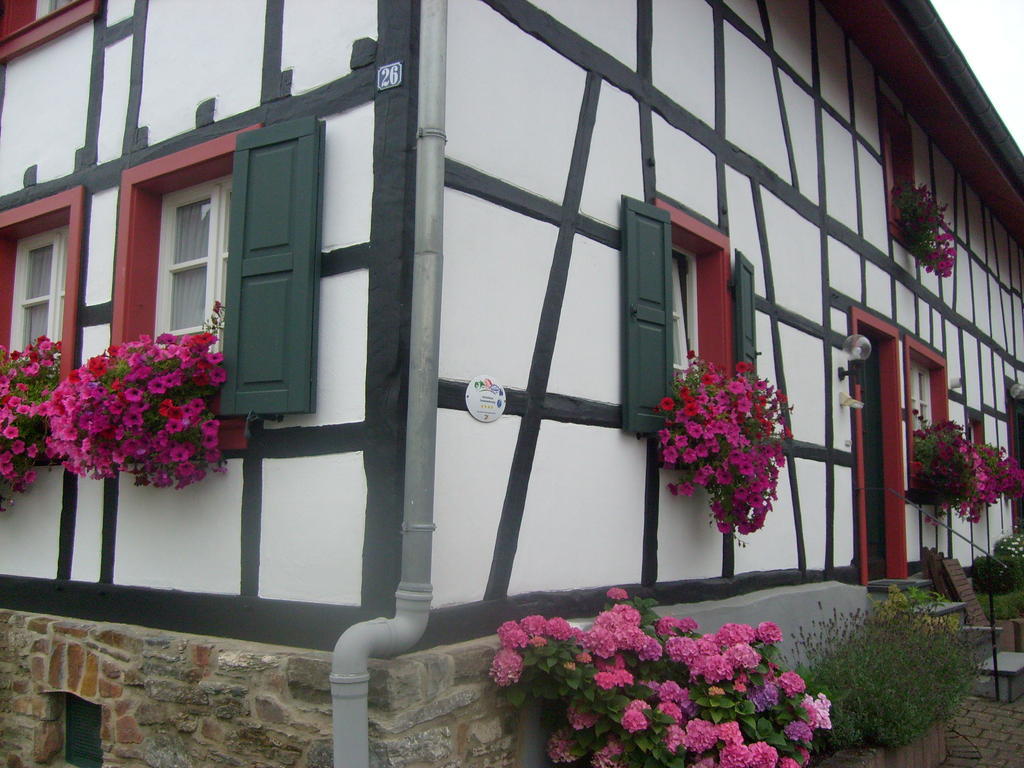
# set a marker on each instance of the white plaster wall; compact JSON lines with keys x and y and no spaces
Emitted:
{"x":962,"y":276}
{"x":878,"y":289}
{"x":587,"y":360}
{"x":117,"y":65}
{"x":341,"y":353}
{"x":842,"y":520}
{"x":43,"y":119}
{"x":904,"y":306}
{"x":470,"y":478}
{"x":791,"y":30}
{"x":840,"y":180}
{"x":181,"y":539}
{"x":608,"y":24}
{"x":614,"y":167}
{"x":689,"y":545}
{"x":498,"y":119}
{"x":802,"y":356}
{"x":840,"y":322}
{"x":85,"y":558}
{"x":998,"y":331}
{"x":988,"y":384}
{"x":979,"y":289}
{"x":317,"y":37}
{"x":902,"y":258}
{"x":743,"y":235}
{"x":832,"y":62}
{"x":844,"y":269}
{"x":311,"y":537}
{"x":683,"y":42}
{"x":952,"y":351}
{"x":802,"y":132}
{"x":583,"y":521}
{"x":810,"y":477}
{"x":865,"y":109}
{"x":842,"y":428}
{"x":872,"y":200}
{"x":749,"y":12}
{"x":924,"y":326}
{"x":225,"y":50}
{"x":794,"y":246}
{"x":119,"y":9}
{"x":765,"y":348}
{"x":489,"y":325}
{"x":99,"y":272}
{"x":685,"y":170}
{"x":348,"y":178}
{"x":752,"y":116}
{"x":972,"y":372}
{"x":31,"y":528}
{"x":774,"y":546}
{"x":95,"y":340}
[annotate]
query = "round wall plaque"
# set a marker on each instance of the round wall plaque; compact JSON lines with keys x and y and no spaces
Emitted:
{"x":485,"y":399}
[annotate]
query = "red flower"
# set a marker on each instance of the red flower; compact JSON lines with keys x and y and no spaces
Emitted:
{"x":667,"y":404}
{"x":744,"y":367}
{"x":97,"y":366}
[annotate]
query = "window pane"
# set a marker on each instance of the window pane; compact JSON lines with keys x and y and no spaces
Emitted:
{"x":35,"y":322}
{"x":188,"y":298}
{"x":192,"y":236}
{"x":40,"y":261}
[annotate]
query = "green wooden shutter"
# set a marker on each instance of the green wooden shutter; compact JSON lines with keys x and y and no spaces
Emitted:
{"x":647,"y":315}
{"x":82,"y":745}
{"x":273,"y":280}
{"x":744,"y":325}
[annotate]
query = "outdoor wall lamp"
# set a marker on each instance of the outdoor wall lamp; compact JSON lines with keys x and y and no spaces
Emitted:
{"x":1017,"y":391}
{"x":957,"y":382}
{"x":857,"y":349}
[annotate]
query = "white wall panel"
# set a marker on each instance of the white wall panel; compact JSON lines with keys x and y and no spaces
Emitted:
{"x":791,"y":31}
{"x":879,"y":290}
{"x":988,"y":384}
{"x":964,"y":292}
{"x":794,"y":246}
{"x":844,"y":269}
{"x":842,"y":428}
{"x":810,"y":477}
{"x":498,"y":119}
{"x":615,"y":166}
{"x":181,"y":539}
{"x":31,"y":528}
{"x":608,"y":24}
{"x":905,"y":307}
{"x":749,"y":12}
{"x":865,"y":110}
{"x":587,"y":360}
{"x":840,"y":322}
{"x":979,"y":291}
{"x":774,"y":546}
{"x":317,"y":37}
{"x":765,"y":349}
{"x":311,"y":537}
{"x":489,"y":321}
{"x":924,"y":318}
{"x":341,"y":356}
{"x":973,"y":381}
{"x":117,"y":70}
{"x":348,"y":178}
{"x":903,"y":258}
{"x":225,"y":50}
{"x":840,"y":179}
{"x":832,"y":62}
{"x":802,"y":357}
{"x":803,"y":135}
{"x":952,"y":352}
{"x":689,"y":544}
{"x":752,"y":114}
{"x":85,"y":559}
{"x":95,"y":340}
{"x":842,"y":523}
{"x":872,"y":200}
{"x":99,"y":272}
{"x":43,"y":119}
{"x":583,"y":521}
{"x":743,"y":235}
{"x":471,"y":475}
{"x":683,"y":42}
{"x":119,"y":9}
{"x":685,"y":170}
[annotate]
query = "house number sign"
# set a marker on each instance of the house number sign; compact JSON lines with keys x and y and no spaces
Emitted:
{"x":485,"y":399}
{"x":389,"y":76}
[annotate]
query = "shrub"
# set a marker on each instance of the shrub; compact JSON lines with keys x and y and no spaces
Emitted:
{"x":997,"y":576}
{"x":1010,"y":548}
{"x":890,"y":673}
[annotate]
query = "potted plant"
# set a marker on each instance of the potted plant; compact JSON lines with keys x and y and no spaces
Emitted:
{"x":725,"y":434}
{"x":923,"y":229}
{"x":27,"y":378}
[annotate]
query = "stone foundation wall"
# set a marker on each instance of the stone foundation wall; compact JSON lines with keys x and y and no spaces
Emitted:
{"x":172,"y":700}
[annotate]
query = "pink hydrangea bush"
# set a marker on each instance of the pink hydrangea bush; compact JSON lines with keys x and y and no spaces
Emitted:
{"x":923,"y":228}
{"x":143,"y":408}
{"x":726,"y":433}
{"x":27,"y":378}
{"x":638,"y":690}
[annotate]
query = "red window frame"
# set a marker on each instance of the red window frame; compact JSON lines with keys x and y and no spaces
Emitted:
{"x":897,"y":156}
{"x":21,"y":31}
{"x":65,"y":209}
{"x":138,"y":243}
{"x":916,"y":352}
{"x":713,"y":267}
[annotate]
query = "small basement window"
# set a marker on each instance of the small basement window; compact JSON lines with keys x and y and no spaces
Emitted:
{"x":82,"y":745}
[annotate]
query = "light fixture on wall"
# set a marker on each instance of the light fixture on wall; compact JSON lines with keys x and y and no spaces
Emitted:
{"x":857,"y":349}
{"x":957,"y":382}
{"x":1017,"y":391}
{"x":846,"y":401}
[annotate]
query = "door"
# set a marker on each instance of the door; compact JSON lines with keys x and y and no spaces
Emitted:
{"x":874,"y":466}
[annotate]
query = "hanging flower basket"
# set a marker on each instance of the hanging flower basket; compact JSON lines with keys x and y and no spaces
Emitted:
{"x":27,"y":378}
{"x":923,"y":229}
{"x":725,"y":434}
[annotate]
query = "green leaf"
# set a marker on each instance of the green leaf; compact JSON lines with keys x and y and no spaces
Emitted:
{"x":517,"y":696}
{"x":717,"y":715}
{"x":745,"y":707}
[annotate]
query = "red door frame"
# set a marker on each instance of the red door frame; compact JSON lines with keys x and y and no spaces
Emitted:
{"x":885,"y":341}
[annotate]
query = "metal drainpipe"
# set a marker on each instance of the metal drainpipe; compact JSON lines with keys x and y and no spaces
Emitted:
{"x":386,"y":637}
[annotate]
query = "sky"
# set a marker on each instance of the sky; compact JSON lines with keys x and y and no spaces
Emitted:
{"x":990,"y":32}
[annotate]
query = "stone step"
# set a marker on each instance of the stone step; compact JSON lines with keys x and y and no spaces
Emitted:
{"x":1010,"y":676}
{"x":881,"y":586}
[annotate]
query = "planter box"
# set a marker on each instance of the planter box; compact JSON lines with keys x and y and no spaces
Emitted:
{"x":927,"y":752}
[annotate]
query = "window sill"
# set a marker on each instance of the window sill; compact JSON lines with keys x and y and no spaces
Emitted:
{"x":47,"y":28}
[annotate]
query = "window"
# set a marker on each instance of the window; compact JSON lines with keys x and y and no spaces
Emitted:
{"x":193,"y":255}
{"x":82,"y":745}
{"x":28,"y":24}
{"x":897,"y":155}
{"x":38,"y":288}
{"x":684,"y":308}
{"x":926,"y":391}
{"x":920,"y":395}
